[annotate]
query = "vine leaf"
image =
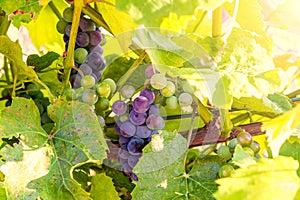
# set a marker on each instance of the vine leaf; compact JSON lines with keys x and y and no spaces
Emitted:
{"x":26,"y":6}
{"x":241,"y":158}
{"x":266,"y":175}
{"x":291,"y":148}
{"x":279,"y":129}
{"x":162,"y":175}
{"x":102,"y":188}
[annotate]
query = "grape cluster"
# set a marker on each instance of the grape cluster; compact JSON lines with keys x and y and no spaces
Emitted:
{"x":88,"y":52}
{"x":31,"y":91}
{"x":226,"y":152}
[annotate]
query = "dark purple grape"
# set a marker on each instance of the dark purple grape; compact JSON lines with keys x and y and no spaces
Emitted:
{"x":135,"y":146}
{"x":133,"y":160}
{"x":123,"y":140}
{"x":143,"y":132}
{"x":96,"y":61}
{"x":148,"y":94}
{"x":127,"y":129}
{"x":155,"y":122}
{"x":137,"y":118}
{"x":133,"y":177}
{"x":119,"y":107}
{"x":95,"y":38}
{"x":86,"y":25}
{"x":141,"y":104}
{"x":97,"y":48}
{"x":123,"y":153}
{"x":66,"y":38}
{"x":68,"y":30}
{"x":154,"y":110}
{"x":117,"y":127}
{"x":82,"y":39}
{"x":86,"y":69}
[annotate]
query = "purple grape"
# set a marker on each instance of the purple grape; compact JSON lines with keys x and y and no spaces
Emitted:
{"x":155,"y":122}
{"x":133,"y":177}
{"x":123,"y":140}
{"x":124,"y":163}
{"x":127,"y":129}
{"x":68,"y":30}
{"x":140,"y":104}
{"x":135,"y":146}
{"x":133,"y":160}
{"x":119,"y":107}
{"x":137,"y":118}
{"x":153,"y":110}
{"x":149,"y":71}
{"x":97,"y":48}
{"x":123,"y":153}
{"x":117,"y":127}
{"x":96,"y":61}
{"x":82,"y":39}
{"x":143,"y":132}
{"x":86,"y":25}
{"x":66,"y":38}
{"x":86,"y":69}
{"x":148,"y":94}
{"x":95,"y":38}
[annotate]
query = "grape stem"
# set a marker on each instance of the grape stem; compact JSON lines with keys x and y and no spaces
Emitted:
{"x":54,"y":9}
{"x":194,"y":105}
{"x":6,"y":71}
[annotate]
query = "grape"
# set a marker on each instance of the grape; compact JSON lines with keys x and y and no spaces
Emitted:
{"x":123,"y":140}
{"x":158,"y":81}
{"x":38,"y":95}
{"x":140,"y":104}
{"x":127,"y":129}
{"x":168,"y":90}
{"x":103,"y":89}
{"x":45,"y":119}
{"x":68,"y":30}
{"x":123,"y":153}
{"x":119,"y":107}
{"x":82,"y":39}
{"x":149,"y":71}
{"x":127,"y":91}
{"x":225,"y":171}
{"x":155,"y":122}
{"x":97,"y":49}
{"x":135,"y":146}
{"x":244,"y":138}
{"x":185,"y":99}
{"x":96,"y":61}
{"x":137,"y":118}
{"x":124,"y":117}
{"x":148,"y":94}
{"x":153,"y":110}
{"x":224,"y":153}
{"x":87,"y":81}
{"x":132,"y":160}
{"x":80,"y":55}
{"x":89,"y":96}
{"x":32,"y":89}
{"x":232,"y":144}
{"x":111,"y":84}
{"x":143,"y":132}
{"x":95,"y":38}
{"x":171,"y":102}
{"x":66,"y":38}
{"x":255,"y":146}
{"x":39,"y":105}
{"x":86,"y":25}
{"x":68,"y":14}
{"x":101,"y":105}
{"x":61,"y":26}
{"x":86,"y":69}
{"x":6,"y":92}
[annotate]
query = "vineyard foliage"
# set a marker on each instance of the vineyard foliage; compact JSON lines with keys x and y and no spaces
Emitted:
{"x":221,"y":63}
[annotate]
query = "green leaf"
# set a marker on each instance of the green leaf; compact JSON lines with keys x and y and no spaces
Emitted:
{"x":241,"y":158}
{"x":78,"y":138}
{"x":12,"y":153}
{"x":27,"y":6}
{"x":103,"y":188}
{"x":279,"y":129}
{"x":2,"y":192}
{"x":40,"y":63}
{"x":291,"y":149}
{"x":162,"y":175}
{"x":277,"y":175}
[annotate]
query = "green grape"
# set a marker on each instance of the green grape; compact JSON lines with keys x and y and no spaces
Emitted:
{"x":185,"y":99}
{"x":101,"y":105}
{"x":89,"y":96}
{"x":111,"y":83}
{"x":127,"y":91}
{"x":255,"y":147}
{"x":169,"y":89}
{"x":32,"y":89}
{"x":61,"y":26}
{"x":232,"y":143}
{"x":224,"y":153}
{"x":244,"y":138}
{"x":87,"y":81}
{"x":171,"y":102}
{"x":103,"y":89}
{"x":225,"y":171}
{"x":79,"y":92}
{"x":158,"y":81}
{"x":45,"y":119}
{"x":68,"y":14}
{"x":80,"y":55}
{"x":6,"y":92}
{"x":38,"y":95}
{"x":70,"y":94}
{"x":249,"y":151}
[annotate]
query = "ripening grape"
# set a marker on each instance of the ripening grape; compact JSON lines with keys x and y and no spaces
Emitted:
{"x":89,"y":96}
{"x":135,"y":146}
{"x":82,"y":39}
{"x":185,"y":99}
{"x":148,"y":94}
{"x":140,"y":104}
{"x":171,"y":102}
{"x":127,"y":91}
{"x":119,"y":107}
{"x":96,"y":61}
{"x":86,"y":25}
{"x":137,"y":118}
{"x":68,"y":14}
{"x":143,"y":132}
{"x":154,"y":109}
{"x":95,"y":38}
{"x":169,"y":89}
{"x":80,"y":55}
{"x":87,"y":81}
{"x":149,"y":71}
{"x":158,"y":81}
{"x":127,"y":129}
{"x":155,"y":122}
{"x":103,"y":89}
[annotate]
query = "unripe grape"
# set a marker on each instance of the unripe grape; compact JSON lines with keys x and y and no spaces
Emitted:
{"x":185,"y":99}
{"x":244,"y":138}
{"x":103,"y":89}
{"x":87,"y":81}
{"x":171,"y":102}
{"x":224,"y":152}
{"x":127,"y":91}
{"x":225,"y":171}
{"x":168,"y":90}
{"x":158,"y":81}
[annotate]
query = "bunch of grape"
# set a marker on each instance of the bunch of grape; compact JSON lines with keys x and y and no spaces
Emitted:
{"x":88,"y":52}
{"x":244,"y":139}
{"x":31,"y":91}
